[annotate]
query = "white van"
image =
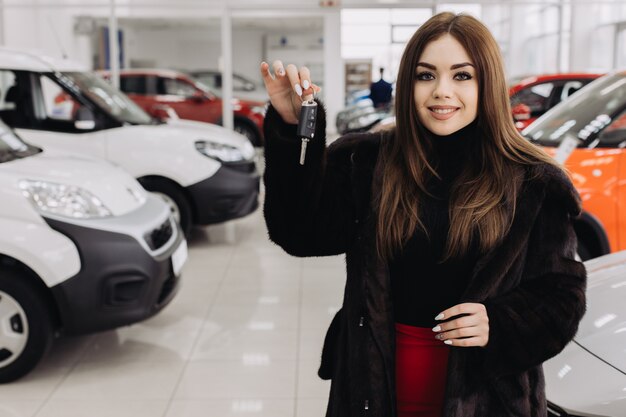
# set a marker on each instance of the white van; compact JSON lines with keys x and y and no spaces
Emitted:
{"x":206,"y":173}
{"x":83,"y":248}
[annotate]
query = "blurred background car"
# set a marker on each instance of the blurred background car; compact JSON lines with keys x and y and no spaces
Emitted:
{"x":533,"y":96}
{"x":154,"y":89}
{"x":588,"y":377}
{"x":243,"y":88}
{"x":587,"y":132}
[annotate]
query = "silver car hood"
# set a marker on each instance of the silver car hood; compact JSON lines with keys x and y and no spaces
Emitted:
{"x":583,"y":385}
{"x":603,"y":329}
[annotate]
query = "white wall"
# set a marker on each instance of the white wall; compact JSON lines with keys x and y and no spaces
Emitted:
{"x":50,"y":30}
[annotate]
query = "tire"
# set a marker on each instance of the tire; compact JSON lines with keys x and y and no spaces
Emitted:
{"x":583,"y":253}
{"x":173,"y":196}
{"x":248,"y":131}
{"x":26,"y":330}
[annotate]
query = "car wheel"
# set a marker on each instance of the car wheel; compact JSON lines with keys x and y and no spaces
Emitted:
{"x":26,"y":331}
{"x":248,"y":131}
{"x":175,"y":199}
{"x":582,"y":252}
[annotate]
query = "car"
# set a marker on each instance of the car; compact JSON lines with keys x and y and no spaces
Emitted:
{"x":361,"y":118}
{"x":206,"y":173}
{"x":588,"y":377}
{"x":191,"y":100}
{"x":243,"y":88}
{"x":587,"y":132}
{"x":532,"y":96}
{"x":83,"y":248}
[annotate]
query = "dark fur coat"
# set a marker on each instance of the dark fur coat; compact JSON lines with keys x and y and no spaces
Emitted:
{"x":530,"y":283}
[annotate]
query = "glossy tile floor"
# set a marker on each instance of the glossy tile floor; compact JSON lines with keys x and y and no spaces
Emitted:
{"x":242,"y":337}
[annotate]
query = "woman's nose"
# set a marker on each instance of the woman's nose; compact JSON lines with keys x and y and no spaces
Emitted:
{"x":443,"y":89}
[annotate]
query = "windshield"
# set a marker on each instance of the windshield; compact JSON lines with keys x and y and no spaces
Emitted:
{"x":104,"y":95}
{"x":11,"y":146}
{"x":583,"y":115}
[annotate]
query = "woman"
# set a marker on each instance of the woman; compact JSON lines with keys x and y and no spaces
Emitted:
{"x":451,"y":220}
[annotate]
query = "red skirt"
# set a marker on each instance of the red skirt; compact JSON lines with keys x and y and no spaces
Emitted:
{"x":421,"y":366}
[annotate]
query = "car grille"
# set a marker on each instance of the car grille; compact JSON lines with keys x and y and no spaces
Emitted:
{"x":160,"y":236}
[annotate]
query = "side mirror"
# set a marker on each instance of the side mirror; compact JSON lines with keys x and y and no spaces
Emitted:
{"x":521,"y":112}
{"x":85,"y":119}
{"x":198,"y":96}
{"x":163,"y":112}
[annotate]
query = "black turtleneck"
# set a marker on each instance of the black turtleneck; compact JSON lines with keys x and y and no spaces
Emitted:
{"x":422,"y":285}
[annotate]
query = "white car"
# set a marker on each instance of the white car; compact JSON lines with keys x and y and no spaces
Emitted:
{"x":83,"y":248}
{"x":588,"y":378}
{"x":206,"y":173}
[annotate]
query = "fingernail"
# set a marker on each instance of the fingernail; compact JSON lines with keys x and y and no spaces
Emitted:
{"x":439,"y":316}
{"x":437,"y":329}
{"x":447,"y":342}
{"x":298,"y":89}
{"x":281,"y":72}
{"x":305,"y":84}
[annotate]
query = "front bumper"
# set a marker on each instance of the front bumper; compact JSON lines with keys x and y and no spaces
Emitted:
{"x":122,"y":279}
{"x":228,"y":194}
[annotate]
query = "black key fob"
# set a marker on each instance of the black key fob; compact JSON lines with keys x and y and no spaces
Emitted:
{"x":308,"y":116}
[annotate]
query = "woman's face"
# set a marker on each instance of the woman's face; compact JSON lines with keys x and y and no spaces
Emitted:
{"x":446,"y":90}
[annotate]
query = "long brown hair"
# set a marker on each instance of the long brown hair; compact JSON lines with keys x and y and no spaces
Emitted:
{"x":483,"y":196}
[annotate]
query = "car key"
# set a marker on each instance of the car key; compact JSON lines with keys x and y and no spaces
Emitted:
{"x":306,"y":125}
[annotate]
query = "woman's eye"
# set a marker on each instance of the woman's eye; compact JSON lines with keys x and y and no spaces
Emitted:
{"x":425,"y":76}
{"x":463,"y":76}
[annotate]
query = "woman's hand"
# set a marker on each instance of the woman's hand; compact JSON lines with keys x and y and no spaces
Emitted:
{"x":287,"y":89}
{"x":472,"y":329}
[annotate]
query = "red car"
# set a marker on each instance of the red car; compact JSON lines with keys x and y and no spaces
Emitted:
{"x":156,"y":90}
{"x":533,"y":96}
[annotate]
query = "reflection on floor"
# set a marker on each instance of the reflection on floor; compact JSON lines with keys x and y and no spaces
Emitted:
{"x":242,"y":337}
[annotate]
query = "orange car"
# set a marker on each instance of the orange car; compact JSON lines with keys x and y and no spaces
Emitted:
{"x":533,"y":96}
{"x":592,"y":124}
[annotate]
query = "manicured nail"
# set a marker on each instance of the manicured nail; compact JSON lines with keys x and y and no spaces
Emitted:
{"x":439,"y":316}
{"x":298,"y":89}
{"x":281,"y":71}
{"x":305,"y":84}
{"x":447,"y":342}
{"x":437,"y":328}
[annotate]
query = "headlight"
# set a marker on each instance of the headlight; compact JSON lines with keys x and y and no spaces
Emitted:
{"x":63,"y":200}
{"x":219,"y":151}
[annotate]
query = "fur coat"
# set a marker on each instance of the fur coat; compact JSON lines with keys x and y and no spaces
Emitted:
{"x":530,"y":283}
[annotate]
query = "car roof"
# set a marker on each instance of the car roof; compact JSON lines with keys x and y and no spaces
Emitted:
{"x":533,"y":79}
{"x":149,"y":71}
{"x":29,"y":60}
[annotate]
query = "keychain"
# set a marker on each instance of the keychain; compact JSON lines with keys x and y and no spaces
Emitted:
{"x":306,"y":125}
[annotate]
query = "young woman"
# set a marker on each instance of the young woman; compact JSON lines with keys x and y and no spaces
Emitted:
{"x":460,"y":249}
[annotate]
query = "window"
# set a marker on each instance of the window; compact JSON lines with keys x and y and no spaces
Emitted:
{"x":59,"y":105}
{"x":7,"y":81}
{"x":175,"y":87}
{"x":133,"y":84}
{"x":537,"y":98}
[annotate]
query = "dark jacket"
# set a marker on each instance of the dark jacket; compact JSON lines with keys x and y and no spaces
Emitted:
{"x":530,"y":283}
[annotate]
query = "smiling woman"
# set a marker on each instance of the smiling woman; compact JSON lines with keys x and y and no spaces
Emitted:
{"x":446,"y":88}
{"x":458,"y":236}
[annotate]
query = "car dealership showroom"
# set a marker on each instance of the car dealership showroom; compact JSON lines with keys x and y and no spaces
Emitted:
{"x":170,"y":242}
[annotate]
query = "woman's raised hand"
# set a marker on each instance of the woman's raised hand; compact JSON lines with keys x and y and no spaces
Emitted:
{"x":287,"y":88}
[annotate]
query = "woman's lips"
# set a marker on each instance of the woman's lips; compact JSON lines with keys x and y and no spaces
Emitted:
{"x":443,"y":113}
